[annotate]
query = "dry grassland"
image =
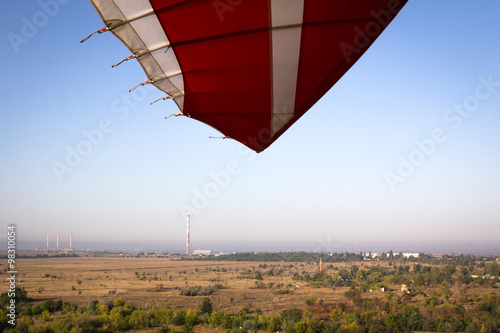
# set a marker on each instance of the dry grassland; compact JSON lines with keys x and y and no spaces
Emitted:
{"x":154,"y":281}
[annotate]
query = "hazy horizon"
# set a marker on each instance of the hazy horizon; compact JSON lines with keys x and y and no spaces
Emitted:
{"x":311,"y":246}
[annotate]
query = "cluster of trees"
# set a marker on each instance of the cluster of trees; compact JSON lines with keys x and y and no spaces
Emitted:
{"x":419,"y":277}
{"x":393,"y":313}
{"x":44,"y":255}
{"x":201,"y":291}
{"x":397,"y":314}
{"x":310,"y":257}
{"x":378,"y":276}
{"x":343,"y":257}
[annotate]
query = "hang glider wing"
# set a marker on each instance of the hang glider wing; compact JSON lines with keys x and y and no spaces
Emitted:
{"x":248,"y":68}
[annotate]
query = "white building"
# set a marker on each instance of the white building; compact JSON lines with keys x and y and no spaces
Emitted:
{"x":202,"y":252}
{"x":414,"y":255}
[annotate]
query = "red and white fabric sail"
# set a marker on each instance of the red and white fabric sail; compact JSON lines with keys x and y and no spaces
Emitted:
{"x":248,"y":68}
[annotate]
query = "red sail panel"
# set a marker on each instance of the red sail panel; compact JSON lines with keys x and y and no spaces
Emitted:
{"x":225,"y":52}
{"x":335,"y":34}
{"x":224,"y":55}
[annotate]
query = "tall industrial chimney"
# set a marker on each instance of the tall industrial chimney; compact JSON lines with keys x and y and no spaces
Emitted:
{"x":48,"y":237}
{"x":187,"y":237}
{"x":57,"y":242}
{"x":70,"y":240}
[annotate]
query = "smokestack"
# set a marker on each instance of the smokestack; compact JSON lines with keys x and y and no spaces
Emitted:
{"x":70,"y":240}
{"x":57,"y":242}
{"x":48,"y":237}
{"x":187,"y":237}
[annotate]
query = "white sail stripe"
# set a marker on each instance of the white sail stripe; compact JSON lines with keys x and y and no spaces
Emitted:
{"x":148,"y":32}
{"x":286,"y":54}
{"x":133,"y":8}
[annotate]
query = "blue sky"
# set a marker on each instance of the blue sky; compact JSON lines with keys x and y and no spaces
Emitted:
{"x":349,"y":171}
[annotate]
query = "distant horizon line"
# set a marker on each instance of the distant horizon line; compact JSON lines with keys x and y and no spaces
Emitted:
{"x":100,"y":247}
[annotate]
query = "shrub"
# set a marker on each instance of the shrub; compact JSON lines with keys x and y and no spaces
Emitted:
{"x":206,"y":306}
{"x":45,"y":315}
{"x":311,"y":300}
{"x":119,"y":302}
{"x":179,"y":318}
{"x":201,"y":291}
{"x":292,"y":314}
{"x":69,"y":308}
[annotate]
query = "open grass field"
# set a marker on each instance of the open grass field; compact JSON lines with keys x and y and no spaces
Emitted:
{"x":154,"y":281}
